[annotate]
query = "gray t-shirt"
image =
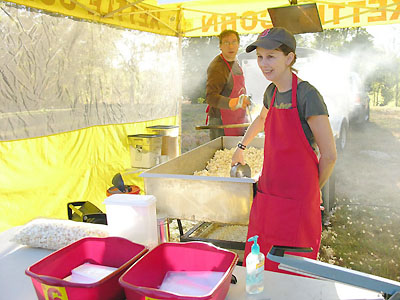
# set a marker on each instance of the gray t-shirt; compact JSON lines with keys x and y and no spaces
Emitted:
{"x":309,"y":103}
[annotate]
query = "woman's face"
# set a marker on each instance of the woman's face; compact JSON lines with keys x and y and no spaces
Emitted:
{"x":273,"y":63}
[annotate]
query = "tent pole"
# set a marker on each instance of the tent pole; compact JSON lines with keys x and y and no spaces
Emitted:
{"x":180,"y":89}
{"x":180,"y":80}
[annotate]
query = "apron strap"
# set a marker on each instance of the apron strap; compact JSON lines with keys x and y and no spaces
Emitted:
{"x":230,"y":69}
{"x":229,"y":66}
{"x":294,"y":90}
{"x":273,"y":98}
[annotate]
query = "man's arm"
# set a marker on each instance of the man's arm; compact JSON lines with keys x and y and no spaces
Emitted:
{"x":216,"y":81}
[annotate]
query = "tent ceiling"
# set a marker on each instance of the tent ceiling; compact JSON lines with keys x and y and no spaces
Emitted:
{"x":207,"y":18}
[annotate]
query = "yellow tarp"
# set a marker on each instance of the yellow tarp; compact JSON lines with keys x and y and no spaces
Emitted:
{"x":62,"y":168}
{"x":207,"y":18}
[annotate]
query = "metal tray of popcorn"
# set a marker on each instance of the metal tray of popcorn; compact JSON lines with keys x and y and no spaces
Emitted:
{"x":182,"y":195}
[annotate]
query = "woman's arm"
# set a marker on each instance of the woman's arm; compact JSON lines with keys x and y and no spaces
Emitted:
{"x":322,"y":132}
{"x":252,"y":131}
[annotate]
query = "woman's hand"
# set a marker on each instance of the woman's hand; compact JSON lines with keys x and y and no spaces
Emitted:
{"x":238,"y":157}
{"x":251,"y":132}
{"x":321,"y":201}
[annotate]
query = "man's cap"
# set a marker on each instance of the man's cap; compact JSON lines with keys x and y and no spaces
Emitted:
{"x":273,"y":38}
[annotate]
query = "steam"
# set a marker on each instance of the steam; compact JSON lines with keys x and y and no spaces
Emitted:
{"x":197,"y":55}
{"x":368,"y":61}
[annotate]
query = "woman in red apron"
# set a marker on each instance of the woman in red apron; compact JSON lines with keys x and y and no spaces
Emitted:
{"x":286,"y":208}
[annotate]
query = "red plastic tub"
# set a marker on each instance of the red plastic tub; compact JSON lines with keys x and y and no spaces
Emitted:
{"x":143,"y":280}
{"x":47,"y":274}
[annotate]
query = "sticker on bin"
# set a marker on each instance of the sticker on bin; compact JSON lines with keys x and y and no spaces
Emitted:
{"x":54,"y":292}
{"x":191,"y":283}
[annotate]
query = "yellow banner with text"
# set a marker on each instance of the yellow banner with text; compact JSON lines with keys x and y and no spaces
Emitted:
{"x":207,"y":19}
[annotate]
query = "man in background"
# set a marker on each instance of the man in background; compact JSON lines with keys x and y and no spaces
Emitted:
{"x":225,"y":88}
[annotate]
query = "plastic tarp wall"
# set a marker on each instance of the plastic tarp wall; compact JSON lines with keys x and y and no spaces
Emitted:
{"x":70,"y":93}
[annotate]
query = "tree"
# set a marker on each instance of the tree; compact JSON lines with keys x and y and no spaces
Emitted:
{"x":330,"y":40}
{"x":378,"y":70}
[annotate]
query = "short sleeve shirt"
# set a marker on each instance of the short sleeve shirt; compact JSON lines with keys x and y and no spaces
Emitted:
{"x":309,"y":103}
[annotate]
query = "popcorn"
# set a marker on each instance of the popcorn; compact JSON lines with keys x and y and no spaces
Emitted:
{"x":237,"y":233}
{"x":54,"y":234}
{"x":220,"y":164}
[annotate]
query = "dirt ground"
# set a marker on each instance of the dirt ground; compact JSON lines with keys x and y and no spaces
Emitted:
{"x":369,"y":169}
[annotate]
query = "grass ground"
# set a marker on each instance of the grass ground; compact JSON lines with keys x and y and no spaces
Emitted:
{"x":364,"y":232}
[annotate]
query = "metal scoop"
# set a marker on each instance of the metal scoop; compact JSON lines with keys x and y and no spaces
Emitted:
{"x":240,"y":171}
{"x":118,"y":182}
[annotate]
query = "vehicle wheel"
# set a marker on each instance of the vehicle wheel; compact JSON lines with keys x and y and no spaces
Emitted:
{"x":342,"y":140}
{"x":326,"y":198}
{"x":332,"y":190}
{"x":366,"y":117}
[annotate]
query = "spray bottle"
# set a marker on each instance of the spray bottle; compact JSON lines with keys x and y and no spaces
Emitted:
{"x":255,"y":268}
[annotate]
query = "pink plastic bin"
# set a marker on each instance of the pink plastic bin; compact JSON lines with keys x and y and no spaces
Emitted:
{"x":48,"y":273}
{"x":143,"y":279}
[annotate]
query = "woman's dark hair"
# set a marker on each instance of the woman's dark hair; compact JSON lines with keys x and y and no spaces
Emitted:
{"x":228,"y":32}
{"x":286,"y":50}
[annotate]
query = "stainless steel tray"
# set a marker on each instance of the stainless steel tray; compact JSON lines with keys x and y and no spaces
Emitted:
{"x":182,"y":195}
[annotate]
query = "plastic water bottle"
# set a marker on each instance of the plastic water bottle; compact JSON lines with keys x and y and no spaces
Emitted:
{"x":255,"y":268}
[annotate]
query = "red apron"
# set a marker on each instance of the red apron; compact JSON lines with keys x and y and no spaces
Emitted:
{"x":286,"y":208}
{"x":233,"y":117}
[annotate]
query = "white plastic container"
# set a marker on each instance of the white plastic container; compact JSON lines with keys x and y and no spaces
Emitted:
{"x":133,"y":217}
{"x":170,"y":140}
{"x":191,"y":283}
{"x":145,"y":150}
{"x":89,"y":273}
